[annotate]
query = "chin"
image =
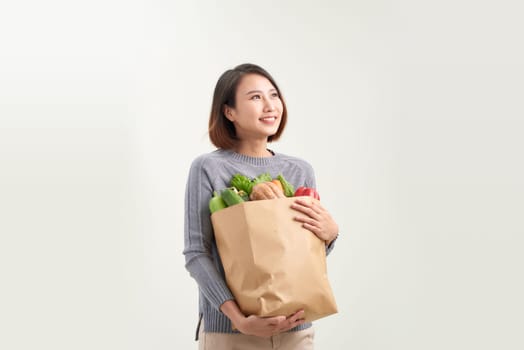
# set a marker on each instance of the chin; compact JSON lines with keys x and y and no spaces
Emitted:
{"x":273,"y":132}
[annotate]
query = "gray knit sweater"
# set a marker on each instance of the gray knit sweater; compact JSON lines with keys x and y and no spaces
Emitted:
{"x":212,"y":172}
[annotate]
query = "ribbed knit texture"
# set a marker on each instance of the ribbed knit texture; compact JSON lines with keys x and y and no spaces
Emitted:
{"x":212,"y":172}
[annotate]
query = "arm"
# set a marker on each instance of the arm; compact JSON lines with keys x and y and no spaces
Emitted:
{"x":198,"y":237}
{"x":315,"y":217}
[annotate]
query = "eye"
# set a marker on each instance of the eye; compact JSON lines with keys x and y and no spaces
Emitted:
{"x":255,"y":97}
{"x":274,"y":94}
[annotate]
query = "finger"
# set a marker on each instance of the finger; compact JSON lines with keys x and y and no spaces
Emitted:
{"x":302,"y":218}
{"x":297,"y":315}
{"x":293,"y":320}
{"x":276,"y":320}
{"x":309,"y":212}
{"x":302,"y":205}
{"x":293,"y":324}
{"x":313,"y":204}
{"x":315,"y":230}
{"x":305,"y":201}
{"x":309,"y":221}
{"x":298,"y":322}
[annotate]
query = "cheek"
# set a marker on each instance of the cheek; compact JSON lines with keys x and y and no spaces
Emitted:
{"x":280,"y":106}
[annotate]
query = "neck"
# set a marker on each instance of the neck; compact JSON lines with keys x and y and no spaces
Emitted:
{"x":253,"y":149}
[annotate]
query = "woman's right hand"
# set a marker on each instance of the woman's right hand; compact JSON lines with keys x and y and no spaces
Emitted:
{"x":268,"y":326}
{"x":260,"y":326}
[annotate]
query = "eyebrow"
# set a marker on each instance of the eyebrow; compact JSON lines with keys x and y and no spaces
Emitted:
{"x":259,"y":91}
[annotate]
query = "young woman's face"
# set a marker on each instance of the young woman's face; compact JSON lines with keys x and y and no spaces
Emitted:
{"x":258,"y":109}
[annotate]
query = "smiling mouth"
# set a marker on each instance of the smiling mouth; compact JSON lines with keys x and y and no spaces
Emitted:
{"x":268,"y":119}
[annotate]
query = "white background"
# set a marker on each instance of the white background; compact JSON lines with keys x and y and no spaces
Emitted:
{"x":410,"y":112}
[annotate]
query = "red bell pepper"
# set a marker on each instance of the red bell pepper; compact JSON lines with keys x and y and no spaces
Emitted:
{"x":307,"y":191}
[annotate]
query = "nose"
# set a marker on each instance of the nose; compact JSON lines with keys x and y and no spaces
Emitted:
{"x":269,"y":106}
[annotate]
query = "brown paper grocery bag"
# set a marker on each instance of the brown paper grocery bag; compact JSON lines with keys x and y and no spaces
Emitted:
{"x":273,"y":265}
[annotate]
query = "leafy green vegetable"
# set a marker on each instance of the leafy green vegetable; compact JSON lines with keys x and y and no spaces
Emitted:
{"x":289,"y":190}
{"x":244,"y":184}
{"x":241,"y":183}
{"x":261,"y":178}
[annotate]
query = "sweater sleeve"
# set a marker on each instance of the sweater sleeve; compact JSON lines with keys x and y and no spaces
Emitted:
{"x":199,"y":243}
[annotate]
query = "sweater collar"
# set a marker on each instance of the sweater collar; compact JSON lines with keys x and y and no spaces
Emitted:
{"x":256,"y":161}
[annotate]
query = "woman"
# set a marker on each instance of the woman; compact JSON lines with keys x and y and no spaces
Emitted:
{"x":247,"y":112}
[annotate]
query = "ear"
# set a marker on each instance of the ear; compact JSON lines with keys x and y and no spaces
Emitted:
{"x":228,"y":112}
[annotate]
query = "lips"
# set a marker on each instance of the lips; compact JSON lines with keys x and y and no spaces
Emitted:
{"x":268,"y":119}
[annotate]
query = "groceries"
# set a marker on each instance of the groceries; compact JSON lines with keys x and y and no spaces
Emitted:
{"x":262,"y":187}
{"x":272,"y":264}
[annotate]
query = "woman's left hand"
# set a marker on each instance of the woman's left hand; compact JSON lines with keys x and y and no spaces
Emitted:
{"x":316,"y":219}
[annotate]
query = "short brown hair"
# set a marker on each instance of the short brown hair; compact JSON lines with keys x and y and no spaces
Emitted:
{"x":221,"y":130}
